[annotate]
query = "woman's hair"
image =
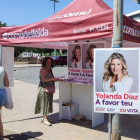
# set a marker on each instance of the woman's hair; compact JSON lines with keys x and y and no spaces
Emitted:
{"x":45,"y":60}
{"x":107,"y":71}
{"x":88,"y":57}
{"x":73,"y":53}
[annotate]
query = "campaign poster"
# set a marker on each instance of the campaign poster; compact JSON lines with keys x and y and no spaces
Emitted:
{"x":8,"y":63}
{"x":75,"y":61}
{"x":88,"y":59}
{"x":116,"y":81}
{"x":81,"y":60}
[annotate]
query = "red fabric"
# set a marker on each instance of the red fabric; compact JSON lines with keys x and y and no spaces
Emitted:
{"x":82,"y":19}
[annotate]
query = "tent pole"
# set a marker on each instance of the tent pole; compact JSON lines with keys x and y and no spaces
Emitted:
{"x":55,"y":49}
{"x":117,"y":43}
{"x":54,"y":6}
{"x":0,"y":55}
{"x":1,"y":65}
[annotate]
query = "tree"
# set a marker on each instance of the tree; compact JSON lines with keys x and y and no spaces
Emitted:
{"x":18,"y":51}
{"x":64,"y":51}
{"x":3,"y":24}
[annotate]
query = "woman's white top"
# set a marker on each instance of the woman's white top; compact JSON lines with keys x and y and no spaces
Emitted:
{"x":123,"y":86}
{"x":88,"y":65}
{"x":78,"y":65}
{"x":2,"y":74}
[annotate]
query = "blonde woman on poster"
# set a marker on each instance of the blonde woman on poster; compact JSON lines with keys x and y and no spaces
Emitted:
{"x":90,"y":57}
{"x":76,"y":57}
{"x":116,"y":78}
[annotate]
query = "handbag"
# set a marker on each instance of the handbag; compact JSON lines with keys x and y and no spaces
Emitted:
{"x":50,"y":89}
{"x":9,"y":101}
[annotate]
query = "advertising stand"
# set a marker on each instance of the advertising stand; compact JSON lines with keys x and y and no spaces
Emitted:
{"x":78,"y":88}
{"x":121,"y":95}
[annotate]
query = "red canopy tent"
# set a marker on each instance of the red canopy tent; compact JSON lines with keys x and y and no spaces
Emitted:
{"x":80,"y":20}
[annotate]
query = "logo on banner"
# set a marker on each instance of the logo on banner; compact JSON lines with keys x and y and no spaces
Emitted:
{"x":100,"y":109}
{"x":71,"y":15}
{"x":77,"y":31}
{"x":111,"y":109}
{"x":131,"y":31}
{"x":27,"y":34}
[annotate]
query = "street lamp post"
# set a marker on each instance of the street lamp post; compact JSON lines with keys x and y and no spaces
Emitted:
{"x":55,"y":1}
{"x":117,"y":43}
{"x":137,"y":1}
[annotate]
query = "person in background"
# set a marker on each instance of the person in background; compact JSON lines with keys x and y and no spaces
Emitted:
{"x":116,"y":78}
{"x":76,"y":57}
{"x":4,"y":82}
{"x":44,"y":102}
{"x":41,"y":59}
{"x":38,"y":59}
{"x":90,"y":57}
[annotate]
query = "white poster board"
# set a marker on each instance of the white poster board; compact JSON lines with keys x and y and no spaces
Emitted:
{"x":116,"y":81}
{"x":81,"y":60}
{"x":8,"y":63}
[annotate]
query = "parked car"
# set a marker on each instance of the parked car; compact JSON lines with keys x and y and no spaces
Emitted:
{"x":61,"y":60}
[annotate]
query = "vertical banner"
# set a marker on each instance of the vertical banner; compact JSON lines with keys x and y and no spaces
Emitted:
{"x":8,"y":63}
{"x":88,"y":59}
{"x":75,"y":61}
{"x":81,"y":60}
{"x":116,"y":81}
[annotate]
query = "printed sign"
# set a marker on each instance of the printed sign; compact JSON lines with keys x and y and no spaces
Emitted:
{"x":8,"y":63}
{"x":116,"y":81}
{"x":81,"y":60}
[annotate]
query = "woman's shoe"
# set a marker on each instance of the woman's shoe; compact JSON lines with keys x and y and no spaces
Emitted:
{"x":46,"y":122}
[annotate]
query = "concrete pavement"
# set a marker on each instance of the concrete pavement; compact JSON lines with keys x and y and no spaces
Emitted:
{"x":21,"y":120}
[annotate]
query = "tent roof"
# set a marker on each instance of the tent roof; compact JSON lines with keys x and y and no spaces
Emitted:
{"x":81,"y":19}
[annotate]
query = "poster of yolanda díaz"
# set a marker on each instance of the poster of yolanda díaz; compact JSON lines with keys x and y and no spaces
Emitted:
{"x":116,"y":81}
{"x":81,"y":60}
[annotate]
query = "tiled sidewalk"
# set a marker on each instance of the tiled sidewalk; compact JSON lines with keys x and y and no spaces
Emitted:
{"x":21,"y":120}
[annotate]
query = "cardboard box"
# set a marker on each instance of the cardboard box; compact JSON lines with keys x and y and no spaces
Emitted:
{"x":70,"y":111}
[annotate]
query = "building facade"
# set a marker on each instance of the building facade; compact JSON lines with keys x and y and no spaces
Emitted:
{"x":134,"y":15}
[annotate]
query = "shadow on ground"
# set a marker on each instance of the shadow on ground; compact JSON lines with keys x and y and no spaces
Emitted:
{"x":24,"y":136}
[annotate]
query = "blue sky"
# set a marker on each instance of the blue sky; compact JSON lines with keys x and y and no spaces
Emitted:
{"x":22,"y":12}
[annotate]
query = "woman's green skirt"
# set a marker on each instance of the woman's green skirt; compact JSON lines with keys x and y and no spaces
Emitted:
{"x":44,"y":102}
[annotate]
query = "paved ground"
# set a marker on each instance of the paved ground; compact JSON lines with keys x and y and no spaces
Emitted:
{"x":21,"y":123}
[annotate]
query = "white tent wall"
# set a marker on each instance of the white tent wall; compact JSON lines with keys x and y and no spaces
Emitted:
{"x":8,"y":63}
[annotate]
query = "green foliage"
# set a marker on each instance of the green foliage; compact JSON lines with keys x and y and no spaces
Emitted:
{"x":3,"y":24}
{"x":46,"y":52}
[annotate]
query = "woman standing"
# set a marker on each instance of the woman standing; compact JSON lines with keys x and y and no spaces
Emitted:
{"x":90,"y":57}
{"x":116,"y":78}
{"x":4,"y":82}
{"x":45,"y":99}
{"x":76,"y":57}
